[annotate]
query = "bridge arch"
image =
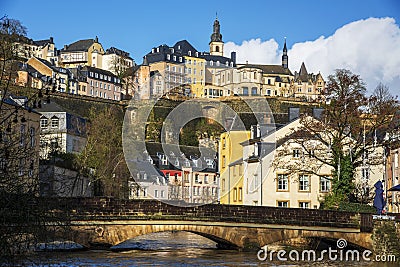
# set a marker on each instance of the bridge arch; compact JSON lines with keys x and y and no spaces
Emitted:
{"x":233,"y":236}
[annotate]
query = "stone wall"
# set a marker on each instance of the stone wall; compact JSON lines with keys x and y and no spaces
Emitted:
{"x":101,"y":208}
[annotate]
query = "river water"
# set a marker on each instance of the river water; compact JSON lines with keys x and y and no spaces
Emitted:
{"x":170,"y":249}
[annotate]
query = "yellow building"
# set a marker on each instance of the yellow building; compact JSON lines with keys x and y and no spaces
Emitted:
{"x":231,"y":166}
{"x":195,"y":74}
{"x":83,"y":52}
{"x":306,"y":85}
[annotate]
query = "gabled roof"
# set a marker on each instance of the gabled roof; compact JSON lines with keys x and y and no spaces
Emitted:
{"x":268,"y":69}
{"x":81,"y":45}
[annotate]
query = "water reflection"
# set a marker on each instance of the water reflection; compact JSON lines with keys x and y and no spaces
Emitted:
{"x":170,"y":249}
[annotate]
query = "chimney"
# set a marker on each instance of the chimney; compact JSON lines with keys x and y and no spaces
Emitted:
{"x":65,"y":47}
{"x":233,"y":57}
{"x":96,"y":39}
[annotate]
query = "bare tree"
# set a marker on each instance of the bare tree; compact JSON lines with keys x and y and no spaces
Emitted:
{"x":344,"y":137}
{"x":23,"y":215}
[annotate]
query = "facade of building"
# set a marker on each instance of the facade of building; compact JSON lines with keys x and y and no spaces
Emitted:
{"x":60,"y":131}
{"x":38,"y":72}
{"x":99,"y":83}
{"x":86,"y":52}
{"x":308,"y":86}
{"x":116,"y":61}
{"x":279,"y":172}
{"x":230,"y":166}
{"x":392,"y":146}
{"x":256,"y":79}
{"x":19,"y":145}
{"x":185,"y":70}
{"x":44,"y":49}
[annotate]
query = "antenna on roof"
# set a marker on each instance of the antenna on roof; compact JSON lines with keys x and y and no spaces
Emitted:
{"x":216,"y":15}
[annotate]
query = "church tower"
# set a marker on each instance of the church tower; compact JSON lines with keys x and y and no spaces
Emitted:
{"x":285,"y":58}
{"x":216,"y":43}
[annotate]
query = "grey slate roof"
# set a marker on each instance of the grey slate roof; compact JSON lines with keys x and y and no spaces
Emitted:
{"x":268,"y":69}
{"x":81,"y":45}
{"x":116,"y":51}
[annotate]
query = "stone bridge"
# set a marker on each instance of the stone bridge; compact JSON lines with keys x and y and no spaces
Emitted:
{"x":108,"y":222}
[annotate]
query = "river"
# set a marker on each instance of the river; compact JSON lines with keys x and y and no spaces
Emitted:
{"x":170,"y":249}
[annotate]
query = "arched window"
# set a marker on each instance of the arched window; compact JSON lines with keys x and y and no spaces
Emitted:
{"x":217,"y":49}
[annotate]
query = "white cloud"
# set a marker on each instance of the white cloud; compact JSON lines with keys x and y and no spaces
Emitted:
{"x":370,"y":48}
{"x":254,"y":51}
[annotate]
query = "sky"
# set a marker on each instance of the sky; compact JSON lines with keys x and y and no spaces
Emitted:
{"x":362,"y":36}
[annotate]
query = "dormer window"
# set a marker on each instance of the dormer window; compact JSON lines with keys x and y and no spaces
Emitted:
{"x":44,"y":123}
{"x":174,"y":58}
{"x":190,"y":53}
{"x":168,"y":57}
{"x":54,"y":122}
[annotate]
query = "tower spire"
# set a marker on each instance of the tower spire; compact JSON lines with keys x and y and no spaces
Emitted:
{"x":216,"y":43}
{"x":285,"y":58}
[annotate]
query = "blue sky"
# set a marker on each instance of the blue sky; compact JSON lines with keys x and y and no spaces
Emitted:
{"x":137,"y":26}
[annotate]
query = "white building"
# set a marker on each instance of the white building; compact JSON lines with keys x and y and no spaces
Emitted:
{"x":60,"y":131}
{"x":270,"y":178}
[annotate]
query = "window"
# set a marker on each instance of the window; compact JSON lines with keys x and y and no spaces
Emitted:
{"x":240,"y":196}
{"x":43,"y":123}
{"x":235,"y":194}
{"x":21,"y":167}
{"x":155,"y":193}
{"x":32,"y":136}
{"x":304,"y":182}
{"x":22,"y":135}
{"x":206,"y":178}
{"x":283,"y":204}
{"x":223,"y":161}
{"x":324,"y":184}
{"x":196,"y":178}
{"x":54,"y":122}
{"x":283,"y":182}
{"x":365,"y":173}
{"x":223,"y":143}
{"x":296,"y":153}
{"x":304,"y":204}
{"x":162,"y":193}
